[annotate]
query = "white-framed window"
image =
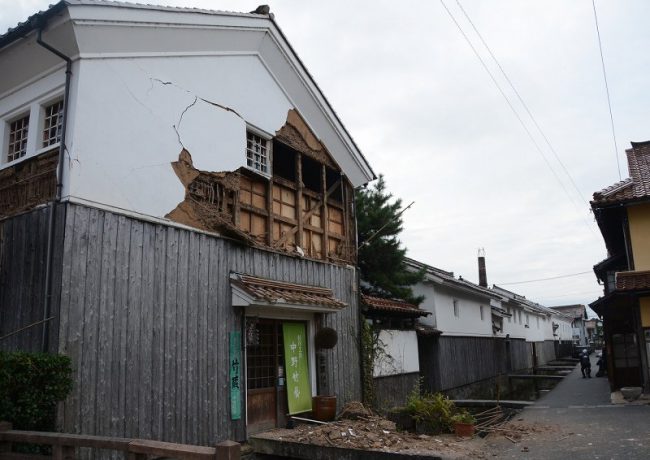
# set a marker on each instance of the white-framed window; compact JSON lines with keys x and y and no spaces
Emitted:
{"x":509,"y":317}
{"x":52,"y":123}
{"x":482,"y":313}
{"x":538,"y":322}
{"x":519,"y":314}
{"x":527,"y":319}
{"x":32,"y":128}
{"x":258,"y":152}
{"x":456,"y":308}
{"x":17,"y":144}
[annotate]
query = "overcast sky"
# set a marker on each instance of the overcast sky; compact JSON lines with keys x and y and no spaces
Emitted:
{"x":427,"y":115}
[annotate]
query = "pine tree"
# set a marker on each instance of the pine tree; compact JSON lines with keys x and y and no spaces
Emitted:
{"x":381,"y":256}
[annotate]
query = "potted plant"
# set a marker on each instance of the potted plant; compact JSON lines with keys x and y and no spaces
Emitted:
{"x":463,"y":423}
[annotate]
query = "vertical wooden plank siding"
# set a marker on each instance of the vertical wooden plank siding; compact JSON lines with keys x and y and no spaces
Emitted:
{"x":451,"y":362}
{"x":23,"y":253}
{"x":148,"y":306}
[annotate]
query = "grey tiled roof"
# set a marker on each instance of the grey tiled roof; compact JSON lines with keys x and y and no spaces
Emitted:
{"x":282,"y":292}
{"x":637,"y":186}
{"x":393,"y":306}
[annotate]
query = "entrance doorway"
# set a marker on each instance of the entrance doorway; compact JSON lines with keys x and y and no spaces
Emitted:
{"x":266,"y":397}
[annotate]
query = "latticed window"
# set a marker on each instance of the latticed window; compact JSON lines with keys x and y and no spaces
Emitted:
{"x":257,"y":152}
{"x":53,"y":123}
{"x":18,"y":138}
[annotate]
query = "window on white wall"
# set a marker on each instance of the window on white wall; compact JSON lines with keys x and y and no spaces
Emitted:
{"x":258,"y":152}
{"x":456,"y":309}
{"x":509,"y":317}
{"x":538,"y":322}
{"x":52,"y":123}
{"x":527,"y":319}
{"x":17,"y":146}
{"x":519,"y":314}
{"x":481,"y":310}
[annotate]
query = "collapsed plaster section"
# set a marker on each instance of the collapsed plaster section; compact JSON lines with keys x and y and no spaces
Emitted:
{"x":304,"y":208}
{"x":209,"y":199}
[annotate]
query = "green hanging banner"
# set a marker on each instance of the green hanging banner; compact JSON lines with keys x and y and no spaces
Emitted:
{"x":235,"y":375}
{"x":297,"y":370}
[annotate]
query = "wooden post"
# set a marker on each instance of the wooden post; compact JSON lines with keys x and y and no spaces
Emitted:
{"x":299,"y":211}
{"x":269,"y":207}
{"x":324,"y":216}
{"x":62,"y":453}
{"x":227,"y":450}
{"x":5,"y":446}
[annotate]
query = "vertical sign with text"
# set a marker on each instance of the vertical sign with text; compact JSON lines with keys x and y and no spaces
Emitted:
{"x":297,"y":369}
{"x":235,"y":375}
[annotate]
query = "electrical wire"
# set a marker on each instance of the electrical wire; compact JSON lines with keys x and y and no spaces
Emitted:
{"x":609,"y":102}
{"x":514,"y":111}
{"x":521,"y":100}
{"x":544,"y":279}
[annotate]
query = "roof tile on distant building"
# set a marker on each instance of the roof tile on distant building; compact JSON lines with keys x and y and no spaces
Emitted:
{"x":377,"y":304}
{"x":448,"y":279}
{"x":633,"y":281}
{"x":637,"y":186}
{"x":575,"y":311}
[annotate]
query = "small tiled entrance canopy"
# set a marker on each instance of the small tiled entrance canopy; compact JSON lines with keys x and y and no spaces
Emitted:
{"x":250,"y":290}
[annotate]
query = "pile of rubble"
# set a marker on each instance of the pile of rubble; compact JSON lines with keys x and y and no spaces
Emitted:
{"x":363,"y":430}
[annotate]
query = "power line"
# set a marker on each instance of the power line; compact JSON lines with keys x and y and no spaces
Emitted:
{"x":521,"y":100}
{"x":609,"y":102}
{"x":521,"y":121}
{"x":544,"y":279}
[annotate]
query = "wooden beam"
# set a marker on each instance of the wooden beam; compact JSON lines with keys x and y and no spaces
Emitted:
{"x":324,"y":216}
{"x":299,"y":188}
{"x":307,"y":215}
{"x":269,"y":206}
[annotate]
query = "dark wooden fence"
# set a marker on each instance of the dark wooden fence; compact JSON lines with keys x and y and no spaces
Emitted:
{"x":393,"y":390}
{"x":451,"y":362}
{"x":145,"y":318}
{"x":23,"y":253}
{"x":65,"y":446}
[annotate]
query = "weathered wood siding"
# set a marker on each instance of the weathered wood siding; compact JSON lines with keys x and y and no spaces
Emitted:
{"x":564,"y":349}
{"x":23,"y":254}
{"x":450,"y":362}
{"x":146,"y":322}
{"x":545,"y":352}
{"x":392,"y":391}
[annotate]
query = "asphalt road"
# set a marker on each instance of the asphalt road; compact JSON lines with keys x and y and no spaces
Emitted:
{"x":585,"y":425}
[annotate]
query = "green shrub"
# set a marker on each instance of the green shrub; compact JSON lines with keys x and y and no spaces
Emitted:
{"x":463,"y":416}
{"x":31,"y":384}
{"x":434,"y":411}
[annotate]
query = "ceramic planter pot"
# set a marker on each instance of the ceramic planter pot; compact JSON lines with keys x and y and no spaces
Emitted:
{"x":464,"y":430}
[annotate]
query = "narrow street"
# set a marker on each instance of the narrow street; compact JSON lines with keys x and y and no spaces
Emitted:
{"x":586,"y":425}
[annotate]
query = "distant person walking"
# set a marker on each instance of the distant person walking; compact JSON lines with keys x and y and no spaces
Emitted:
{"x":585,"y":365}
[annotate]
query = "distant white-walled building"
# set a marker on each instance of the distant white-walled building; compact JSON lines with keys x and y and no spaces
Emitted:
{"x":458,"y":307}
{"x":485,"y":331}
{"x":578,"y":315}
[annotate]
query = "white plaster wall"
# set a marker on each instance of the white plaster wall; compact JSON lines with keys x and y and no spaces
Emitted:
{"x":400,"y":353}
{"x":128,"y":112}
{"x":536,"y":329}
{"x":428,"y":304}
{"x":564,"y":330}
{"x":439,"y":301}
{"x":511,"y":325}
{"x":468,"y":322}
